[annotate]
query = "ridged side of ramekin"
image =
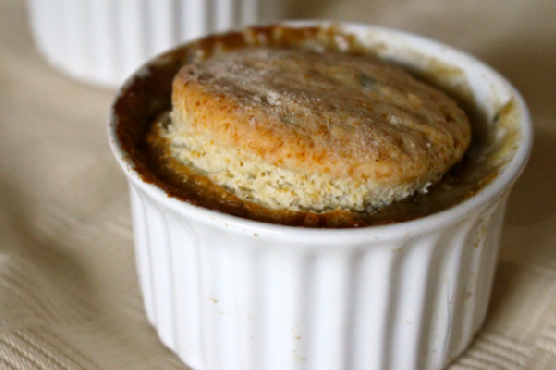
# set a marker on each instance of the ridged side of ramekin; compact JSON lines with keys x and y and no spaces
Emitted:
{"x":232,"y":301}
{"x":227,"y":293}
{"x":104,"y":41}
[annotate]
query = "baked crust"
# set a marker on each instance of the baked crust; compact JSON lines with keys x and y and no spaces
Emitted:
{"x":341,"y":115}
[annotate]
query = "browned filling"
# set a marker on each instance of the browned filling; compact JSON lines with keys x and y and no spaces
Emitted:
{"x":460,"y":183}
{"x":148,"y":97}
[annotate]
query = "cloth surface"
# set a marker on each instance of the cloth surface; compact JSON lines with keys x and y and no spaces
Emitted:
{"x":69,"y":298}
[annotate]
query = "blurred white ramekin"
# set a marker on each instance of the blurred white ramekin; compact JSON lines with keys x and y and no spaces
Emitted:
{"x":229,"y":293}
{"x":104,"y":41}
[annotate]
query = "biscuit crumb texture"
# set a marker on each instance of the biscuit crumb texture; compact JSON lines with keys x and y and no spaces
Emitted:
{"x":313,"y":131}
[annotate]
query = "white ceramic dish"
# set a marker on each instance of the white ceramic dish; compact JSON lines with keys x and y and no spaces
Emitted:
{"x":103,"y":41}
{"x":228,"y":293}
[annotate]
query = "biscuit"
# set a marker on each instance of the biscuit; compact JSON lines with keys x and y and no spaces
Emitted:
{"x":313,"y":131}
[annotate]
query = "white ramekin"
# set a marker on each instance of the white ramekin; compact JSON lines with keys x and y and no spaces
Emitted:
{"x":104,"y":41}
{"x":228,"y":293}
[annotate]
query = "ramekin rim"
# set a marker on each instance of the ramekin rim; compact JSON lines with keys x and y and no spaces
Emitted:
{"x":421,"y":225}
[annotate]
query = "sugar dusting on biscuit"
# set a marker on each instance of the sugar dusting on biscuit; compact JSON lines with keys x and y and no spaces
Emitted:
{"x":317,"y":131}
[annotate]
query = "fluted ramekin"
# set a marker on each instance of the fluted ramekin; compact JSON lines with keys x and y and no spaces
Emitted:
{"x":229,"y":293}
{"x":104,"y":41}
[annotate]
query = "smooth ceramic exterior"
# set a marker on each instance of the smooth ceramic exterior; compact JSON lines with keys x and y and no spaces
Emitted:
{"x":104,"y":41}
{"x":227,"y":294}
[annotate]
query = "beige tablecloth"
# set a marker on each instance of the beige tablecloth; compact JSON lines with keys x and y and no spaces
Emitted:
{"x":68,"y":292}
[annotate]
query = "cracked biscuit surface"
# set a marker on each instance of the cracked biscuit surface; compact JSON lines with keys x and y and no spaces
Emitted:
{"x":313,"y":131}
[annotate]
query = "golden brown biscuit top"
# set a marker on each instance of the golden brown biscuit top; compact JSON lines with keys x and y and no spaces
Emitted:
{"x":335,"y":113}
